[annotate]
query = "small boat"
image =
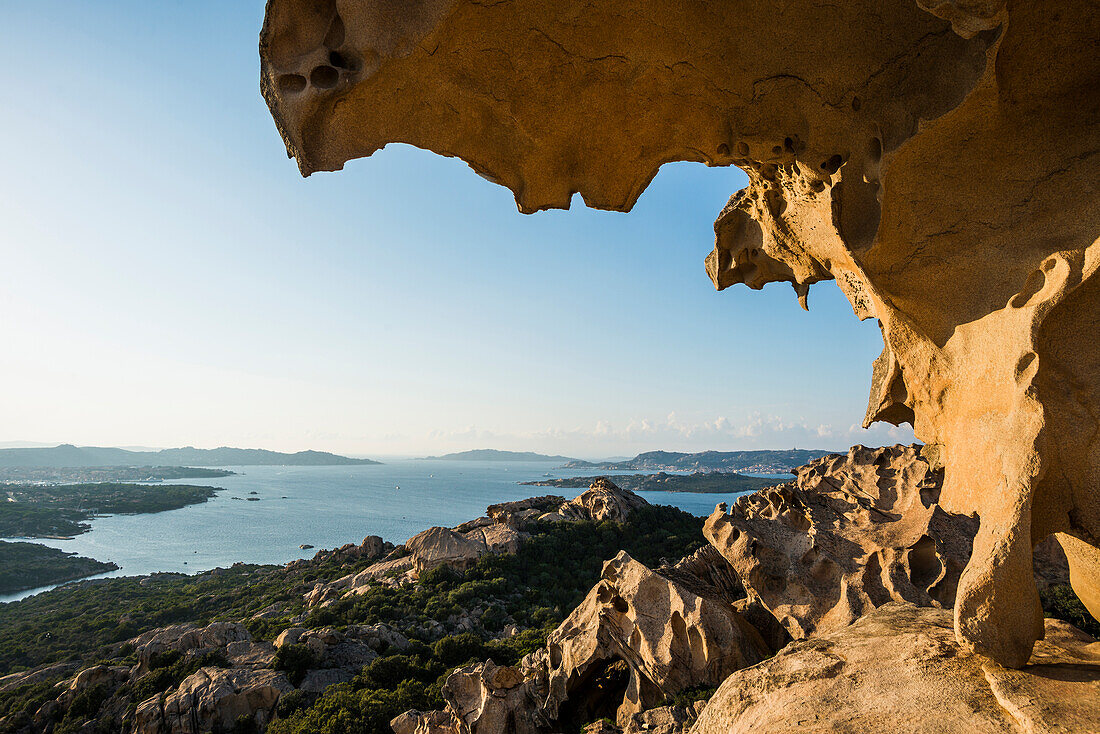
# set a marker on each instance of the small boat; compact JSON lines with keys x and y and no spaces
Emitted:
{"x":305,"y":546}
{"x":397,"y":486}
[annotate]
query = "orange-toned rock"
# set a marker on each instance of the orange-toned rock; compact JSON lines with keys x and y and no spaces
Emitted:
{"x":938,"y":160}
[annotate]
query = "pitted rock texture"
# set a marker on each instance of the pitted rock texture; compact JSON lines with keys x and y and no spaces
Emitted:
{"x":900,"y":670}
{"x":638,"y":637}
{"x":851,"y":533}
{"x":937,"y":159}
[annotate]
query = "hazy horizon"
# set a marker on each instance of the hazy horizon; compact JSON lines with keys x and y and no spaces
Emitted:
{"x":170,"y":280}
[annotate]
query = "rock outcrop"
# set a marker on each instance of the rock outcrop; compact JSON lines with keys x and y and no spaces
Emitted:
{"x":443,"y":547}
{"x":480,"y":699}
{"x":899,"y":669}
{"x":637,"y":638}
{"x":500,"y":531}
{"x":602,"y":501}
{"x":938,"y":160}
{"x":213,"y":699}
{"x":849,"y":534}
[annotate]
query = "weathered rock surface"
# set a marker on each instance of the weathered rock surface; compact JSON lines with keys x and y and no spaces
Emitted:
{"x":213,"y":699}
{"x":481,"y":699}
{"x":938,"y":160}
{"x":665,"y":719}
{"x":444,"y":547}
{"x":638,"y":637}
{"x":899,"y":669}
{"x":602,"y":501}
{"x":851,"y":533}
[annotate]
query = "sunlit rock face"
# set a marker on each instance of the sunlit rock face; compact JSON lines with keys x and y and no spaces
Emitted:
{"x":937,"y":159}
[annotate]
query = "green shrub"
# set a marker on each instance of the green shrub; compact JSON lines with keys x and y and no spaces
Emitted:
{"x":295,"y":660}
{"x":1062,"y":603}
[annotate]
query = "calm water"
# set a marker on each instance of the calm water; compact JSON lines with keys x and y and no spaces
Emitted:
{"x":325,"y":506}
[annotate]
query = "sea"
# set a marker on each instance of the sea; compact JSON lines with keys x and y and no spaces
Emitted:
{"x":264,"y":513}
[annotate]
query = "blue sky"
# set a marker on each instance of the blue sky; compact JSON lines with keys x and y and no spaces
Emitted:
{"x":169,"y":279}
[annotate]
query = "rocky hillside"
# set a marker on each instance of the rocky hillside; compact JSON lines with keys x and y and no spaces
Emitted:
{"x":824,"y":599}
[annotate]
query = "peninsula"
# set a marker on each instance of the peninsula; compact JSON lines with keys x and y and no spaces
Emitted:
{"x":762,"y":462}
{"x":699,"y":482}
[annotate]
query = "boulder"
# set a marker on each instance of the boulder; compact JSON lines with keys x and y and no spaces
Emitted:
{"x":603,"y":500}
{"x":480,"y":699}
{"x":675,"y":719}
{"x":518,"y":512}
{"x":213,"y":699}
{"x":638,"y":637}
{"x":899,"y":669}
{"x":497,"y":538}
{"x":443,"y":547}
{"x":186,"y":638}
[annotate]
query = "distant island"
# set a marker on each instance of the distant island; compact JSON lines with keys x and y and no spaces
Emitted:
{"x":76,"y":475}
{"x":69,"y":456}
{"x":700,"y":482}
{"x":762,"y":461}
{"x":496,"y":455}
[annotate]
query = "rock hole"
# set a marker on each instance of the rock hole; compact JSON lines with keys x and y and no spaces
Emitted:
{"x":777,"y":150}
{"x":324,"y":77}
{"x":596,"y":694}
{"x":335,"y":36}
{"x":856,"y":104}
{"x":620,"y":604}
{"x":1025,"y":368}
{"x":743,"y":149}
{"x":343,"y":61}
{"x":833,"y":164}
{"x":1032,"y":286}
{"x":555,"y":656}
{"x":924,"y":563}
{"x":603,"y":596}
{"x":874,"y":149}
{"x":723,"y":149}
{"x":292,"y":83}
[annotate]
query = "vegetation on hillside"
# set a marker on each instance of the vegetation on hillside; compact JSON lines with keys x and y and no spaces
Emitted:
{"x":30,"y":565}
{"x":35,"y":511}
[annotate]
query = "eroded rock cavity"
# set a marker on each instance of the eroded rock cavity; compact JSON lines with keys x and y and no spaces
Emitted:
{"x":938,"y":160}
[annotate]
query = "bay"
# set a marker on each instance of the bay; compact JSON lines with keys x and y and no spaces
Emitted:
{"x":322,"y":506}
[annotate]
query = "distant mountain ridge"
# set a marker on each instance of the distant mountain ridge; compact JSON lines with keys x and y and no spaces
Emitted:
{"x":69,"y":456}
{"x":497,"y":455}
{"x":764,"y":461}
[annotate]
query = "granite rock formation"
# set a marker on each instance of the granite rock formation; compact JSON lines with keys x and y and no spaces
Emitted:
{"x":899,"y":669}
{"x":638,"y":637}
{"x":937,"y":159}
{"x":850,"y":533}
{"x":480,"y":699}
{"x":602,"y":501}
